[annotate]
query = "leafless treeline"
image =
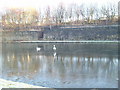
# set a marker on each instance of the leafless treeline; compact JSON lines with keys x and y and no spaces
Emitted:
{"x":73,"y":14}
{"x":79,"y":14}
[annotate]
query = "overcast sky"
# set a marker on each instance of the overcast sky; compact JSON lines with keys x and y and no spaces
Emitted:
{"x":51,"y":3}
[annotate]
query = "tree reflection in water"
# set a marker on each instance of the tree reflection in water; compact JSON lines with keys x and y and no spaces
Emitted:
{"x":72,"y":62}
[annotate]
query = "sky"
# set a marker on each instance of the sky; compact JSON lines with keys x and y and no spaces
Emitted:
{"x":51,"y":3}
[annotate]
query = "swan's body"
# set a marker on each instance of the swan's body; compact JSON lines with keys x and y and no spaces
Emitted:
{"x":54,"y":47}
{"x":38,"y":48}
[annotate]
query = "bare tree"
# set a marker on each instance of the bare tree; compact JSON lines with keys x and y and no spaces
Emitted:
{"x":91,"y":11}
{"x":113,"y":11}
{"x":82,"y":12}
{"x":87,"y":15}
{"x":105,"y":10}
{"x":77,"y":12}
{"x":97,"y":15}
{"x":15,"y":18}
{"x":47,"y":15}
{"x":39,"y":16}
{"x":70,"y":13}
{"x":55,"y":17}
{"x":60,"y":13}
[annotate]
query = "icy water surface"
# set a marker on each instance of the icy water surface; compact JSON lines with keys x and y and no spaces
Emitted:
{"x":72,"y":65}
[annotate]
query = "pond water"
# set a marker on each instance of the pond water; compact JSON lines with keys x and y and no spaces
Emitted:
{"x":71,"y":65}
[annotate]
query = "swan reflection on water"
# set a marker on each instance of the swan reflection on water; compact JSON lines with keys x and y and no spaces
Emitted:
{"x":55,"y":56}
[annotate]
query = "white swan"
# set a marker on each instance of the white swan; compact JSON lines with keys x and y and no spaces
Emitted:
{"x":54,"y":47}
{"x":38,"y":48}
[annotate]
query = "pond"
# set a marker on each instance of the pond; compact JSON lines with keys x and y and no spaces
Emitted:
{"x":71,"y":65}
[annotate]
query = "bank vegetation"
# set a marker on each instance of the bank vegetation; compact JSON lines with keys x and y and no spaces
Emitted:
{"x":75,"y":14}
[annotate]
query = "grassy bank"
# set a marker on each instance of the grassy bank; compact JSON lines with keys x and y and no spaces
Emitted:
{"x":69,"y":32}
